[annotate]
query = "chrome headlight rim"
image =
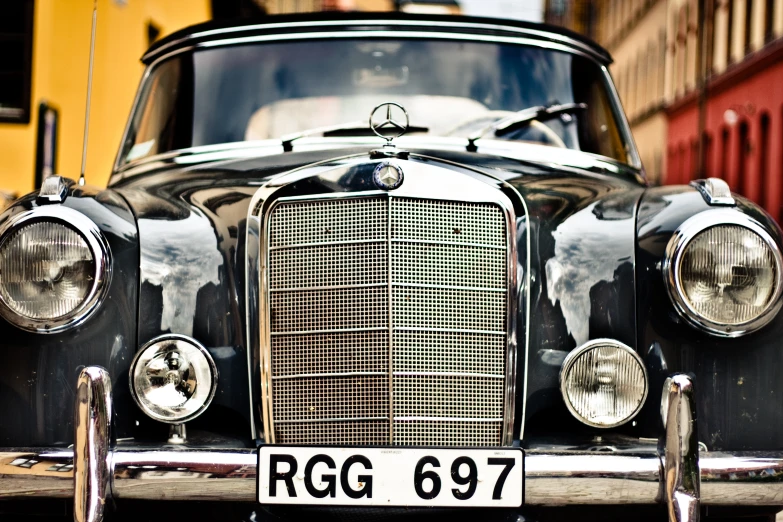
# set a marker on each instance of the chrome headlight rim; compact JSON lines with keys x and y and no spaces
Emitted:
{"x":672,"y":267}
{"x":213,"y":372}
{"x":574,"y":355}
{"x":99,"y":248}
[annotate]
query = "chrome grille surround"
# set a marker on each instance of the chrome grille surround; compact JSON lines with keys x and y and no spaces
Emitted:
{"x":415,"y":332}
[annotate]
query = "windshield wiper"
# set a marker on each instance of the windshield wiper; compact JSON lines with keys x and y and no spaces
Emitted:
{"x":523,"y":118}
{"x":289,"y":139}
{"x":340,"y":129}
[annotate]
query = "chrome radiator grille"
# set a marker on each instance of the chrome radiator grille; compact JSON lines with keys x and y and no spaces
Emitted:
{"x":387,"y":321}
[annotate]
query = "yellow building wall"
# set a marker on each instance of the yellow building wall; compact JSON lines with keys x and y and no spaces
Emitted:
{"x":61,"y":48}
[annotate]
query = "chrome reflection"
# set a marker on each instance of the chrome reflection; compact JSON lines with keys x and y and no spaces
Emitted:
{"x":173,"y":379}
{"x":77,"y":307}
{"x":681,"y":459}
{"x":92,"y":437}
{"x":728,"y":274}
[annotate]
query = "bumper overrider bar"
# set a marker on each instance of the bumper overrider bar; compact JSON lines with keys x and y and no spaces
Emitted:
{"x":680,"y":476}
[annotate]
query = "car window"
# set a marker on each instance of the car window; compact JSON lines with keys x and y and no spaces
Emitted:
{"x":449,"y":88}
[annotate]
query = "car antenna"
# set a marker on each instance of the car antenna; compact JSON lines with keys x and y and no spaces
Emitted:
{"x":89,"y":90}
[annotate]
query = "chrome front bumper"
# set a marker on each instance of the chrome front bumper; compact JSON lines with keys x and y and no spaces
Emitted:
{"x":681,"y":477}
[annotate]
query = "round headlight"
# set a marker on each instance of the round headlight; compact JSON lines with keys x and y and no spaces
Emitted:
{"x":54,"y":267}
{"x":173,"y":379}
{"x":723,"y":273}
{"x":604,"y":383}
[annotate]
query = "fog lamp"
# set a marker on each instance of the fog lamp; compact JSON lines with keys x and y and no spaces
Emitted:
{"x":604,"y":383}
{"x":173,"y":379}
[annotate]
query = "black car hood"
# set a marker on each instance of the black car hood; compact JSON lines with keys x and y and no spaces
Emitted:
{"x":580,"y":245}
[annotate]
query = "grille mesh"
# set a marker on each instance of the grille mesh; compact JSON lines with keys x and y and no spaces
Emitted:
{"x":347,"y":370}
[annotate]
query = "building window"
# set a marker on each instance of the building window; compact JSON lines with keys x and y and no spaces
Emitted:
{"x":682,"y":176}
{"x":742,"y":156}
{"x":724,"y":153}
{"x":708,"y":151}
{"x":769,"y":25}
{"x":694,"y":159}
{"x":16,"y":59}
{"x":153,"y":33}
{"x":764,"y":150}
{"x":748,"y":24}
{"x":729,"y":31}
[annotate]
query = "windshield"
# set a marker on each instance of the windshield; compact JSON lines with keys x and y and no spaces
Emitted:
{"x":449,"y":88}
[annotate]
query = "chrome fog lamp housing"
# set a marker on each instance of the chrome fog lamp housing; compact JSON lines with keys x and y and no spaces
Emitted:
{"x":173,"y":379}
{"x":604,"y":383}
{"x":723,"y":273}
{"x":55,"y":267}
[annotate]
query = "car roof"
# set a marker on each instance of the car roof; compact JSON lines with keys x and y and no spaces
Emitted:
{"x":331,"y":21}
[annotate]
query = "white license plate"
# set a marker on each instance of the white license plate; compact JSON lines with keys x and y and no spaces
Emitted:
{"x":390,"y":476}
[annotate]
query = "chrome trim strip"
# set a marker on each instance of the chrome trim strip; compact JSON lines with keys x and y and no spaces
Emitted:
{"x":681,"y":458}
{"x":447,"y":243}
{"x":331,"y":419}
{"x":635,"y":160}
{"x":390,"y":304}
{"x":252,"y":328}
{"x":397,"y":35}
{"x":451,"y":287}
{"x":326,"y":243}
{"x":395,"y":285}
{"x":459,"y":330}
{"x":446,"y":419}
{"x":333,"y":287}
{"x":450,"y":374}
{"x":673,"y":259}
{"x":317,"y":375}
{"x":572,"y":357}
{"x":92,"y":470}
{"x":338,"y":330}
{"x":715,"y":192}
{"x":101,"y":253}
{"x":544,"y":35}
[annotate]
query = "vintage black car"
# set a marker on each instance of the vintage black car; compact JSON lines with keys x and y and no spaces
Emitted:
{"x":379,"y":266}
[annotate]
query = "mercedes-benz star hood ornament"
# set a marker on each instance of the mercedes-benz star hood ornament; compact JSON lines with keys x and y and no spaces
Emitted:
{"x":389,"y":121}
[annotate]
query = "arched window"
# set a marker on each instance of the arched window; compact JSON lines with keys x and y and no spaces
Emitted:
{"x":764,"y":151}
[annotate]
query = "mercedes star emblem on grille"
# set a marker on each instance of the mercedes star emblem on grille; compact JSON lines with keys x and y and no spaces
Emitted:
{"x":392,"y":121}
{"x":387,"y":176}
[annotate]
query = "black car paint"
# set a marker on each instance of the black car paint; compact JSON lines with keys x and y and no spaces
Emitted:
{"x":39,"y":371}
{"x":738,"y":387}
{"x":583,"y":222}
